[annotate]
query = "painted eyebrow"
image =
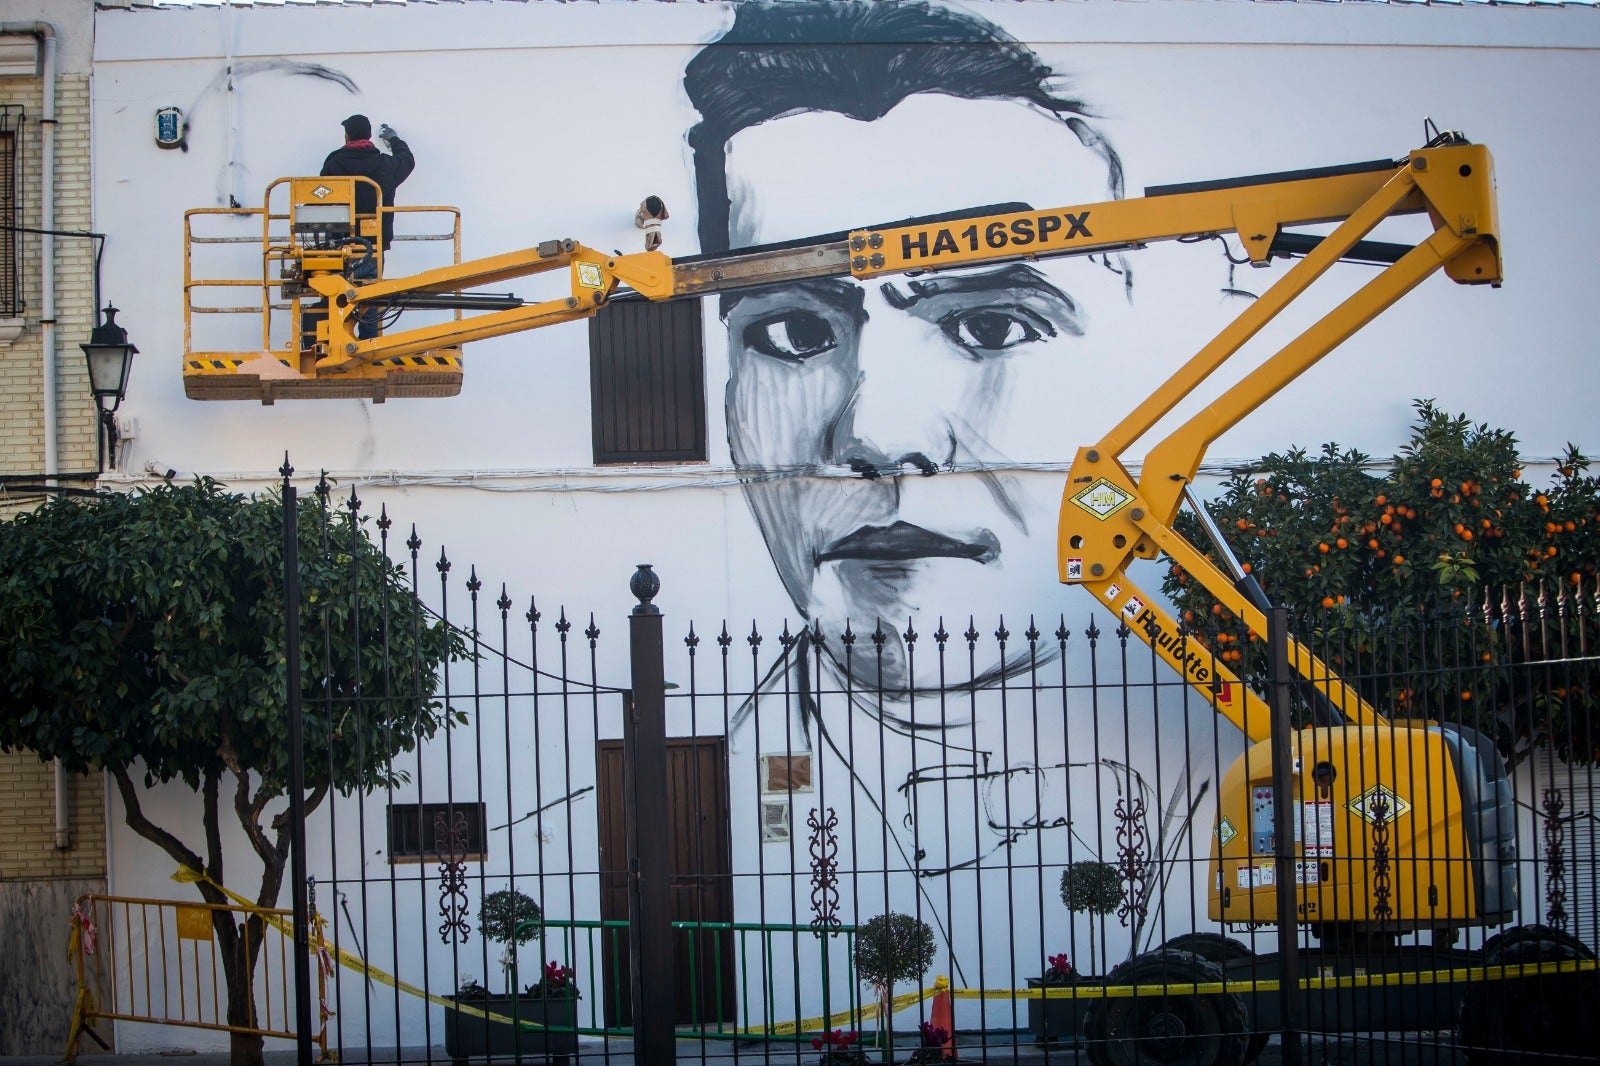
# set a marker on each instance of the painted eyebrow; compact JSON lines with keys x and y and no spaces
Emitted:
{"x":1010,"y":276}
{"x":839,"y":293}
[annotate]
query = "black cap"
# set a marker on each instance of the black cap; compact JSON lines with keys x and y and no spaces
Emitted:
{"x":357,"y":128}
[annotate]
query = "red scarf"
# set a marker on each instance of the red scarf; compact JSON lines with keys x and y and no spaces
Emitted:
{"x":363,"y":143}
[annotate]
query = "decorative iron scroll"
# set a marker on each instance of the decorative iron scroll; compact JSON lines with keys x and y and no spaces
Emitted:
{"x":1381,"y":911}
{"x":824,"y":873}
{"x":450,"y":836}
{"x":1555,"y":863}
{"x":1132,"y":858}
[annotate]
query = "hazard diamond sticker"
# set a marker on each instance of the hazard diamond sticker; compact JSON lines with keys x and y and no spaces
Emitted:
{"x":1101,"y":498}
{"x":1225,"y":832}
{"x":1378,"y":804}
{"x":322,"y":192}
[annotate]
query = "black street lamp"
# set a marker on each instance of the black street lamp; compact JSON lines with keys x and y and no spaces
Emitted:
{"x":109,"y":354}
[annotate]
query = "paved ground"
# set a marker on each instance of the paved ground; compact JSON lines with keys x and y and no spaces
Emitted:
{"x":1408,"y":1050}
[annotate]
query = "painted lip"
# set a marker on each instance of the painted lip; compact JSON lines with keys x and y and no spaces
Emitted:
{"x":903,"y":541}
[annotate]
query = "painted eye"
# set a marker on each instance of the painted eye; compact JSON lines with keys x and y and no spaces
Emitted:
{"x":993,"y":331}
{"x":792,"y":335}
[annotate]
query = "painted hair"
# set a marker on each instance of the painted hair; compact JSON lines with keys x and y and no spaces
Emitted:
{"x":858,"y":58}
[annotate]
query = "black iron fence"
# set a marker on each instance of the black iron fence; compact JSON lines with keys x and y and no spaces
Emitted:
{"x":1016,"y":839}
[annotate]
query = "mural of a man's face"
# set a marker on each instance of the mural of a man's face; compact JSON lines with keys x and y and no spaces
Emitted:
{"x":878,"y":420}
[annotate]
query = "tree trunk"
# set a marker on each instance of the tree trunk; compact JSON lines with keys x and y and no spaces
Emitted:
{"x":244,"y":1049}
{"x":238,"y":967}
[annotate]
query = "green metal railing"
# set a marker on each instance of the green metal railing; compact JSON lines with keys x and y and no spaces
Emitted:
{"x":755,"y":947}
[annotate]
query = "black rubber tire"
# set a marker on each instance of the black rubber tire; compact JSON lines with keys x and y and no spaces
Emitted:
{"x":1524,"y":1019}
{"x":1522,"y":933}
{"x":1174,"y":1030}
{"x":1220,"y":949}
{"x":1213,"y":947}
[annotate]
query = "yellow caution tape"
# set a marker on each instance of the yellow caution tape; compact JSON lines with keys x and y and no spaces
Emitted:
{"x":354,"y":961}
{"x":863,"y":1013}
{"x":941,"y":985}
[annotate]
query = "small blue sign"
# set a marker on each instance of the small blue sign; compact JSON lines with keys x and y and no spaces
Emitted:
{"x":169,"y":127}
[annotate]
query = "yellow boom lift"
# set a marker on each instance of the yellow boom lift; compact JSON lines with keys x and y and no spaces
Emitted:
{"x":1401,"y":826}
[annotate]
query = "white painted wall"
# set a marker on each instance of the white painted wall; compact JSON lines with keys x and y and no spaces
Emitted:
{"x":545,"y":120}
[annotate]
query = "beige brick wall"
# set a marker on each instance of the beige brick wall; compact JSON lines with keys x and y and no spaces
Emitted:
{"x":37,"y":880}
{"x":21,"y":364}
{"x":27,"y":786}
{"x":27,"y":832}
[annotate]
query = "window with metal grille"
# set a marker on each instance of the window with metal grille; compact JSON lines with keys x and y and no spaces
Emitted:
{"x":647,"y":382}
{"x":10,"y":210}
{"x":437,"y":832}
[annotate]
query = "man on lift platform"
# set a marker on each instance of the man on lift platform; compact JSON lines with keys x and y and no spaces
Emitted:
{"x":359,"y":157}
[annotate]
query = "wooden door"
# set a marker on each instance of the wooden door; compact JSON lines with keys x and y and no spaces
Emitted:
{"x":702,"y":881}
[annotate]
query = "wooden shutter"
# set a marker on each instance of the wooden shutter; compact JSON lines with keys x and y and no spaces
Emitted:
{"x":647,"y":382}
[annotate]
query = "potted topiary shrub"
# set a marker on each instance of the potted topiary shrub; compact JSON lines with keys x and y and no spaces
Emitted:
{"x":1092,"y":888}
{"x":541,"y":1021}
{"x":1089,"y":887}
{"x":889,"y":949}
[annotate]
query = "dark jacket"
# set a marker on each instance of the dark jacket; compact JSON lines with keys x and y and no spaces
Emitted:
{"x":367,"y":162}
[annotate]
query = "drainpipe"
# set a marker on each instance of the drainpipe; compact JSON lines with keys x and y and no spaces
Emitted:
{"x":46,"y":33}
{"x":63,"y":829}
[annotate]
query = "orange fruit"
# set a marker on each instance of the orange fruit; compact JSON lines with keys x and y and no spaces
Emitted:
{"x":1436,"y":482}
{"x":1327,"y":601}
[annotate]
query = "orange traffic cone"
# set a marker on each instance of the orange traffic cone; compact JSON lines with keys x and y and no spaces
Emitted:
{"x":942,"y":1016}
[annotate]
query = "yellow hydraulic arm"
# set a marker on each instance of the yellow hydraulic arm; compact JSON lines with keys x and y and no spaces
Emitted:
{"x":1108,"y":518}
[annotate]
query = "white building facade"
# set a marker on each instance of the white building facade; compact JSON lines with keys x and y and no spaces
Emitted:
{"x":543,"y":120}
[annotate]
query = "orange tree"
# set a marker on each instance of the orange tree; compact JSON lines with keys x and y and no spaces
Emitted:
{"x":142,"y":634}
{"x":1422,"y":579}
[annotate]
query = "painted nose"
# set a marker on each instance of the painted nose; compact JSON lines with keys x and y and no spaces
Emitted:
{"x":892,"y":423}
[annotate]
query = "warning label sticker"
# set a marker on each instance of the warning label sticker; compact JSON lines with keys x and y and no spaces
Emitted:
{"x":1225,"y":832}
{"x":1313,"y":827}
{"x":1257,"y":876}
{"x":1074,"y":569}
{"x":1266,"y":874}
{"x":1378,"y":804}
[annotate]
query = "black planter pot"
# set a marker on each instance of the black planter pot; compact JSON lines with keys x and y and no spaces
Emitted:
{"x":1056,"y":1019}
{"x":466,"y":1034}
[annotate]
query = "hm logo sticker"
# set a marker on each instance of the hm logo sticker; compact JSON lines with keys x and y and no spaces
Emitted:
{"x":1101,"y":498}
